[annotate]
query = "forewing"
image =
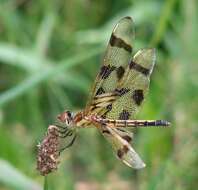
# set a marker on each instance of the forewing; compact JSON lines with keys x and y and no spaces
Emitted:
{"x":134,"y":86}
{"x":119,"y":141}
{"x":116,"y":59}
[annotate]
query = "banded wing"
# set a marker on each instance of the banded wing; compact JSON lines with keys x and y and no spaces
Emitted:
{"x":119,"y":141}
{"x":116,"y":59}
{"x":131,"y":92}
{"x":133,"y":87}
{"x":126,"y":135}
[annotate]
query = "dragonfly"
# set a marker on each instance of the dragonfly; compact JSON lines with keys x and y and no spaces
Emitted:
{"x":118,"y":93}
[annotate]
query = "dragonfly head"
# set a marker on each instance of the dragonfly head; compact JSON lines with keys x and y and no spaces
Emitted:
{"x":66,"y":117}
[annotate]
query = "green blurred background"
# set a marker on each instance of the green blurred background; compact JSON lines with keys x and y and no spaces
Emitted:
{"x":50,"y":52}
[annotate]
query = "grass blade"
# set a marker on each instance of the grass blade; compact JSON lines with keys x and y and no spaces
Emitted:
{"x":11,"y":177}
{"x":43,"y":75}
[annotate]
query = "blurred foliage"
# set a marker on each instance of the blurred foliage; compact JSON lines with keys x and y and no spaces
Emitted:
{"x":49,"y":55}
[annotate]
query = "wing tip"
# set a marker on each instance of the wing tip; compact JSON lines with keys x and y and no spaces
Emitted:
{"x":138,"y":166}
{"x":151,"y":51}
{"x":127,"y":17}
{"x":127,"y":27}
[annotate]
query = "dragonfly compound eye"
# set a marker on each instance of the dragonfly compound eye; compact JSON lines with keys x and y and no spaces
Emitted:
{"x":65,"y":117}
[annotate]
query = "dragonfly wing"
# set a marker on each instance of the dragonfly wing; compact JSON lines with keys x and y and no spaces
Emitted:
{"x":116,"y":59}
{"x":134,"y":86}
{"x":125,"y":134}
{"x":121,"y":146}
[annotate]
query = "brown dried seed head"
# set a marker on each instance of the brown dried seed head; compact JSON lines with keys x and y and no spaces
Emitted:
{"x":48,"y":151}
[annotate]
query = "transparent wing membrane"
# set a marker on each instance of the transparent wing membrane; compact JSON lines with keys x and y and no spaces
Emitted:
{"x":122,"y":149}
{"x":115,"y":61}
{"x":136,"y":84}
